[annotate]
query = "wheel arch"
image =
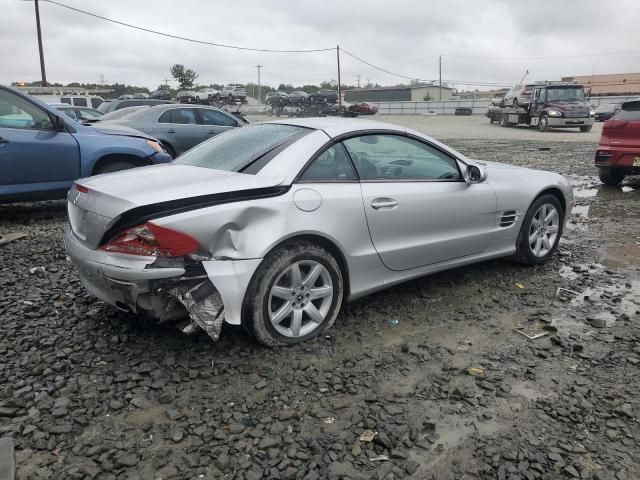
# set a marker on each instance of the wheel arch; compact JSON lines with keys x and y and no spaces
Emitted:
{"x":556,"y":192}
{"x":119,"y":157}
{"x":324,"y":242}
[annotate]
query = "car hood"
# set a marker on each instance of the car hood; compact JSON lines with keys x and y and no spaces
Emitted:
{"x":157,"y":190}
{"x":497,"y":165}
{"x":110,"y":127}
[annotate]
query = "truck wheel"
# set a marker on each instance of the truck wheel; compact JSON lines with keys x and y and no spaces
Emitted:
{"x":586,"y":128}
{"x":610,"y":177}
{"x":503,"y":121}
{"x":543,"y":123}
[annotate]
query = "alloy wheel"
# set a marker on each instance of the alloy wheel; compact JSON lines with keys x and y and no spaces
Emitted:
{"x":543,"y":230}
{"x":300,"y":298}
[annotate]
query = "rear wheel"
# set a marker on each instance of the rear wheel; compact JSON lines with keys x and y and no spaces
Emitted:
{"x":610,"y":177}
{"x":586,"y":128}
{"x":543,"y":123}
{"x":541,"y":231}
{"x":114,"y":167}
{"x":294,"y":296}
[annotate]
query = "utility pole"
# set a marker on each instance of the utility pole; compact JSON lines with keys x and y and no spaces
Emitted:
{"x":259,"y":85}
{"x":166,"y":81}
{"x":440,"y":76}
{"x":339,"y":88}
{"x":358,"y":76}
{"x":42,"y":70}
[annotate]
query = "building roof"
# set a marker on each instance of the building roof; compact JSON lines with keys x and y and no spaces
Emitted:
{"x":397,"y":87}
{"x":609,"y":84}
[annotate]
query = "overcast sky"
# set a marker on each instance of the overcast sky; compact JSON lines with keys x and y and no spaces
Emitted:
{"x":404,"y":36}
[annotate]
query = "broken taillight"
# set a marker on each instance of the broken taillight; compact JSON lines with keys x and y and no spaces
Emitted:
{"x":81,"y":188}
{"x":150,"y":239}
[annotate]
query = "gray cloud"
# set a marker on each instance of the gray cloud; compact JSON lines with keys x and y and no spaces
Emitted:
{"x":405,"y":36}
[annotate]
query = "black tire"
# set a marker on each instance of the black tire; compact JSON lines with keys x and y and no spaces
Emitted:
{"x":586,"y":128}
{"x":491,"y":119}
{"x":114,"y":166}
{"x":543,"y":123}
{"x":503,"y":121}
{"x":610,"y":177}
{"x":523,"y":250}
{"x":256,"y":307}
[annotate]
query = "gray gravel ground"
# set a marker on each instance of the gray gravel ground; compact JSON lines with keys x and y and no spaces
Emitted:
{"x":432,"y":367}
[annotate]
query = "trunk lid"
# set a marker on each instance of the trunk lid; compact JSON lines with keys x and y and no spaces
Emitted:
{"x":96,"y":203}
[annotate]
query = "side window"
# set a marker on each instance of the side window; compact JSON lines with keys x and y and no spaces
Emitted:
{"x":214,"y":117}
{"x":183,"y":116}
{"x":80,"y":102}
{"x":331,"y":165}
{"x":395,"y":157}
{"x":65,"y":100}
{"x":16,"y":112}
{"x":165,"y":117}
{"x":95,"y":102}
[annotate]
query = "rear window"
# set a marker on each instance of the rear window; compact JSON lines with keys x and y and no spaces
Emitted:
{"x":236,"y":149}
{"x":629,"y":112}
{"x":104,"y":106}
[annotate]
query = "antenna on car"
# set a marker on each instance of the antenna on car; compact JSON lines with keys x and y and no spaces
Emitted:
{"x":524,"y":76}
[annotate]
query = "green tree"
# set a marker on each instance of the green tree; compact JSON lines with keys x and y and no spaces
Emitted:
{"x":185,"y":76}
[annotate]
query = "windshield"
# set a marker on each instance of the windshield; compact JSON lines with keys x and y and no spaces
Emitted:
{"x":238,"y":148}
{"x":565,"y":94}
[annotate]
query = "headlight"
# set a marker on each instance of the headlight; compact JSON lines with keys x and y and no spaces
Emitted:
{"x":592,"y":113}
{"x":155,"y":145}
{"x":555,"y":113}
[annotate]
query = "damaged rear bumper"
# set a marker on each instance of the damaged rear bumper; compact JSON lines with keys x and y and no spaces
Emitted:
{"x":208,"y":292}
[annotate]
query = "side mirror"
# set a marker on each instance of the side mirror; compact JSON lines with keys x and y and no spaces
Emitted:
{"x":475,"y":174}
{"x":58,"y":123}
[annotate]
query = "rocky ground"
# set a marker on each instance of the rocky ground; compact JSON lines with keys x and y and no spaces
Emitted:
{"x":427,"y":380}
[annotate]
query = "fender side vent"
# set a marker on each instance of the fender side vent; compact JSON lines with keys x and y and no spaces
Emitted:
{"x":508,"y":218}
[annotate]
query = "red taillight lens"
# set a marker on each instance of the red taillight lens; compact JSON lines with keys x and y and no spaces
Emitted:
{"x":152,"y":240}
{"x":81,"y":188}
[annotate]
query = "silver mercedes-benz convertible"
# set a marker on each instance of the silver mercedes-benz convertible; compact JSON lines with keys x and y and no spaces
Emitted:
{"x":272,"y":226}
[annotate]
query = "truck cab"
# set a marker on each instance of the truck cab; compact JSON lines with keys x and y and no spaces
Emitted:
{"x":560,"y":105}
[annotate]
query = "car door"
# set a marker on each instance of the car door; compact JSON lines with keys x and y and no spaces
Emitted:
{"x":215,"y":122}
{"x":181,"y":128}
{"x":419,"y":209}
{"x":33,"y":155}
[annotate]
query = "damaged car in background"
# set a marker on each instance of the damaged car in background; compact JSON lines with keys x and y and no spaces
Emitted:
{"x":272,"y":226}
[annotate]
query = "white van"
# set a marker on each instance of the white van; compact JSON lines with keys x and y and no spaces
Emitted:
{"x":91,"y":101}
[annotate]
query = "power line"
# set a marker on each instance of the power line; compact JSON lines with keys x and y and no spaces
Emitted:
{"x":383,"y":69}
{"x":545,"y":58}
{"x":186,"y":39}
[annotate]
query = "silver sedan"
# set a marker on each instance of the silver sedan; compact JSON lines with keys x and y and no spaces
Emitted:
{"x":273,"y":226}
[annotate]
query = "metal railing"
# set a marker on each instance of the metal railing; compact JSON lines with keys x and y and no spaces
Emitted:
{"x":478,"y":106}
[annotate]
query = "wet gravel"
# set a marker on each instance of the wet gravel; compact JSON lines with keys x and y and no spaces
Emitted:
{"x":426,"y":380}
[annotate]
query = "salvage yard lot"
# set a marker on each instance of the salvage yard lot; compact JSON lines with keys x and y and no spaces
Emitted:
{"x":433,"y":366}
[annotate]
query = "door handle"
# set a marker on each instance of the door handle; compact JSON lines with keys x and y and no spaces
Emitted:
{"x":2,"y":140}
{"x":171,"y":130}
{"x":385,"y":203}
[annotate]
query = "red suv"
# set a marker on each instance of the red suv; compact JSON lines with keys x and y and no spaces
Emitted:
{"x":618,"y":153}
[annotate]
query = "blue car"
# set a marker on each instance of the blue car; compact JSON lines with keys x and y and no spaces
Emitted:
{"x":42,"y":151}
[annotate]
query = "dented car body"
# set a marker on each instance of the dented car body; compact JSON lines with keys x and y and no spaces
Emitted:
{"x":271,"y":226}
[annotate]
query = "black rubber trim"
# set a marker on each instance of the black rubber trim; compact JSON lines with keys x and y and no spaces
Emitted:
{"x":139,"y":215}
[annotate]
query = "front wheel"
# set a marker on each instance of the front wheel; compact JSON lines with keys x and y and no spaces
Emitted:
{"x":541,"y":231}
{"x":610,"y":177}
{"x":294,"y":296}
{"x":586,"y":128}
{"x":543,"y":123}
